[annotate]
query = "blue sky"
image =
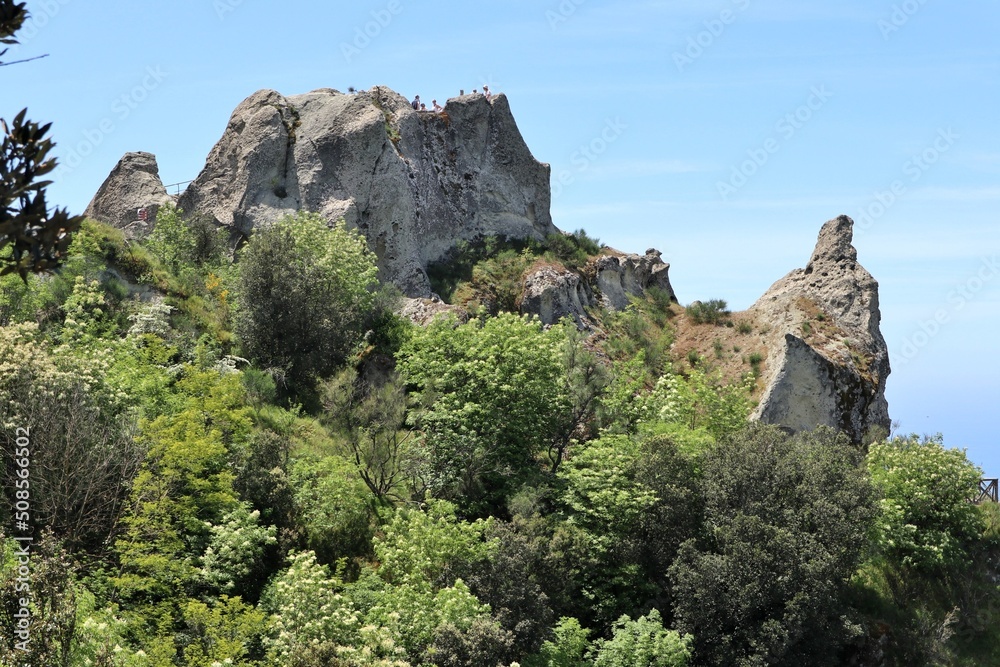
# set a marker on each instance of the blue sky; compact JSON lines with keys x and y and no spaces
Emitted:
{"x":723,"y":133}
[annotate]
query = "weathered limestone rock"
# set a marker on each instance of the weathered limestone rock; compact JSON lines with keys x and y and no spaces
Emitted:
{"x":414,"y":183}
{"x":133,"y":184}
{"x":827,"y":362}
{"x":422,"y":310}
{"x":620,"y":275}
{"x":554,"y":293}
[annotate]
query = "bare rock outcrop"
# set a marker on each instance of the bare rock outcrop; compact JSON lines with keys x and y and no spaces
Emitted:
{"x":827,"y":361}
{"x":132,"y":185}
{"x":422,"y":311}
{"x":620,"y":275}
{"x":609,"y":281}
{"x":414,"y":183}
{"x":553,"y":293}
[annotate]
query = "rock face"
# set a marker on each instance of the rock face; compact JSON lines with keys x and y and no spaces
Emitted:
{"x":415,"y":183}
{"x":552,"y":293}
{"x":827,"y":362}
{"x":621,"y":275}
{"x":422,"y":311}
{"x":133,"y":184}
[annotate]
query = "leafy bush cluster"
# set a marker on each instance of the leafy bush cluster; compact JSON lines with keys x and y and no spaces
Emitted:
{"x":488,"y":272}
{"x":713,"y":311}
{"x":330,"y":485}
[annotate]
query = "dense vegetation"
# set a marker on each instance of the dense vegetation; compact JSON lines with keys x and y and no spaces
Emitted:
{"x":258,"y":463}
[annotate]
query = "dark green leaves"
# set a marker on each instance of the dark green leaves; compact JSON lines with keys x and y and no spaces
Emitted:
{"x":38,"y":239}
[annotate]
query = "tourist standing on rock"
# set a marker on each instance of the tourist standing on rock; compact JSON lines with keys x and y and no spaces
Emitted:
{"x":415,"y":103}
{"x":437,"y":107}
{"x":423,"y":107}
{"x":487,"y":93}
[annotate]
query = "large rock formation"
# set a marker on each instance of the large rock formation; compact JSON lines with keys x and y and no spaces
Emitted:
{"x":827,"y":361}
{"x":415,"y":183}
{"x":133,"y":184}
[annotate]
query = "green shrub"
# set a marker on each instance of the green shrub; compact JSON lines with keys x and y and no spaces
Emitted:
{"x":457,"y":268}
{"x":661,"y":299}
{"x":567,"y":648}
{"x":927,"y":522}
{"x":305,"y":292}
{"x":787,"y":521}
{"x":643,"y":642}
{"x":712,"y":311}
{"x":185,"y":243}
{"x":333,"y":508}
{"x":572,"y":249}
{"x":496,"y":283}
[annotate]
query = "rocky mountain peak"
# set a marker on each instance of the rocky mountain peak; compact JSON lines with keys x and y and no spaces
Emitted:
{"x":133,"y":184}
{"x":419,"y":183}
{"x":415,"y":183}
{"x":827,"y":362}
{"x":834,"y":245}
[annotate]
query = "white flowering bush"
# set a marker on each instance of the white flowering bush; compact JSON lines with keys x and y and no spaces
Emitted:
{"x":412,"y":613}
{"x":150,"y":318}
{"x":80,"y":428}
{"x":87,"y":313}
{"x":32,"y":369}
{"x":697,"y":401}
{"x":417,"y":546}
{"x":307,"y":606}
{"x":927,"y":520}
{"x":236,"y":549}
{"x":378,"y":647}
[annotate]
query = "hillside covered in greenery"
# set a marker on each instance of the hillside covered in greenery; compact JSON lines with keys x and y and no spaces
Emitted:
{"x":258,"y":462}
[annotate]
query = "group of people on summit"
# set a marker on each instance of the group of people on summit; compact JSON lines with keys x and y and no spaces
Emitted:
{"x":437,"y":108}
